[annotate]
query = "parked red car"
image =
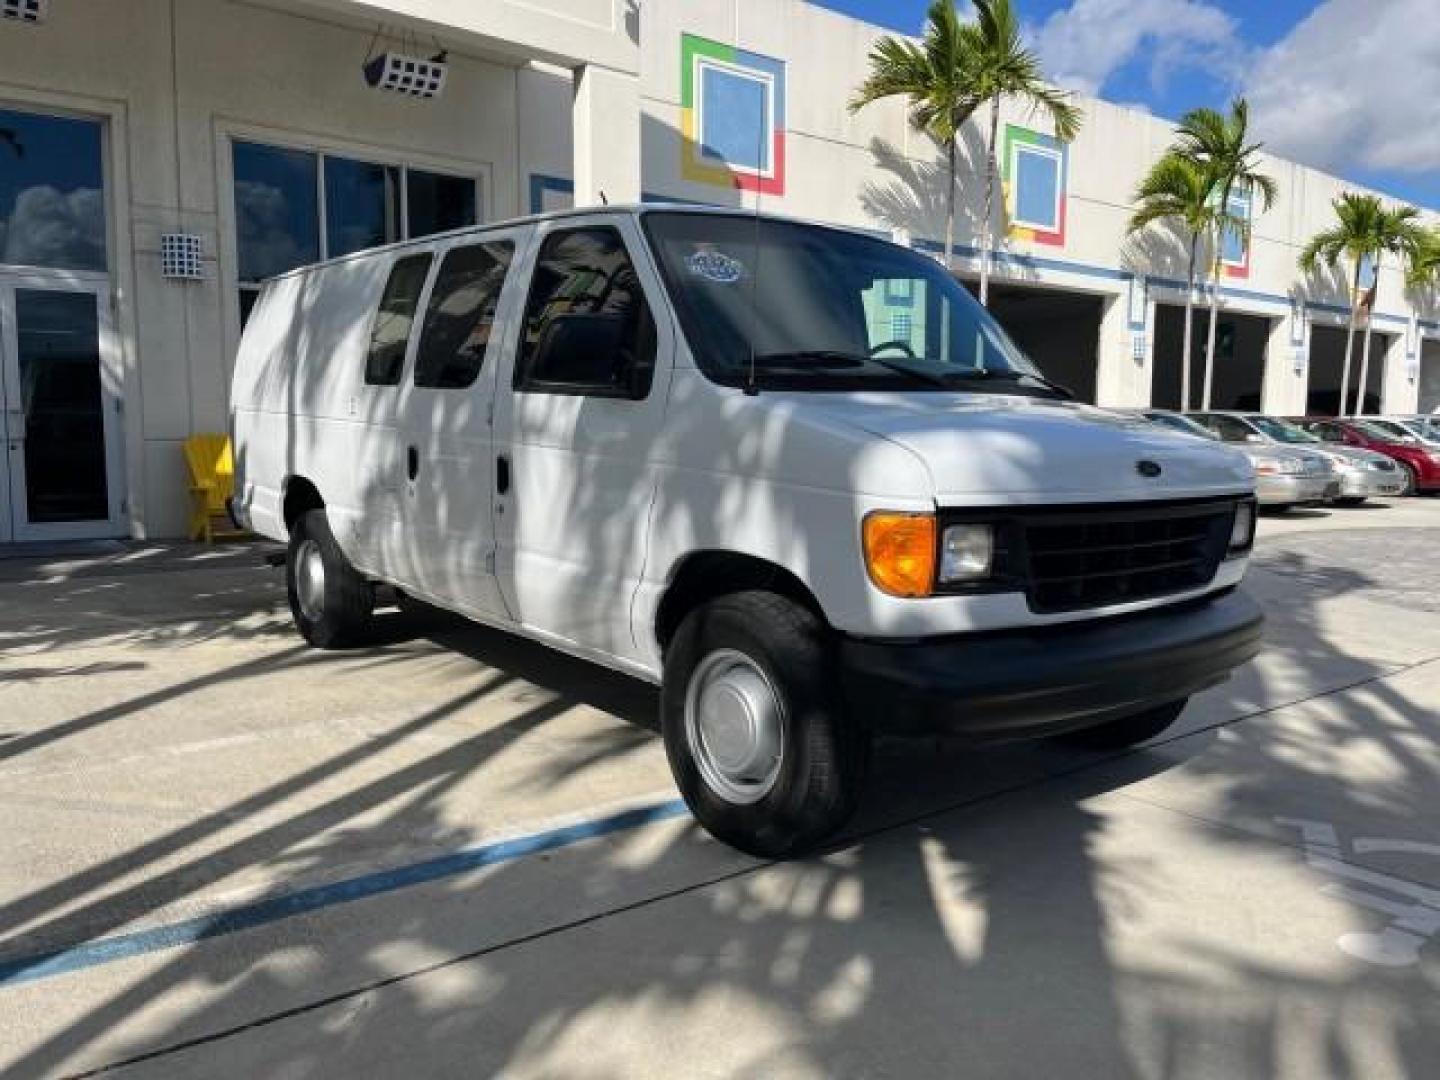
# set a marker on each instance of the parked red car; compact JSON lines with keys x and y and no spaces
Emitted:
{"x":1419,"y":461}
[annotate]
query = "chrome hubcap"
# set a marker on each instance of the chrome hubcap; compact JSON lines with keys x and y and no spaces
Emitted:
{"x":310,"y":580}
{"x":734,"y":725}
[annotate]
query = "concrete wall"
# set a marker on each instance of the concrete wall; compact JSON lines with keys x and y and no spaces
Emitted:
{"x":1429,"y":395}
{"x":174,"y":86}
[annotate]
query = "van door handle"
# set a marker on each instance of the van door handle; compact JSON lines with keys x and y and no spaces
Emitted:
{"x":502,"y":474}
{"x":412,"y":461}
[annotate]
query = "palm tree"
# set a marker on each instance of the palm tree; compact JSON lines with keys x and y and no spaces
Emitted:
{"x":1000,"y":66}
{"x":933,"y":75}
{"x":1219,"y":143}
{"x":1422,"y":271}
{"x":1364,"y":228}
{"x":1179,"y":190}
{"x":956,"y":68}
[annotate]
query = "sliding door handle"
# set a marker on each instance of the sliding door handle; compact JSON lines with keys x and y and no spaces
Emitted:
{"x":502,"y":474}
{"x":412,"y":461}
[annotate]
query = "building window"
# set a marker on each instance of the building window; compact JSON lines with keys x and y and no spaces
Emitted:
{"x":52,"y":192}
{"x":1035,"y":167}
{"x":277,"y":210}
{"x":732,"y":116}
{"x":362,"y":205}
{"x":280,"y":192}
{"x":1234,"y":242}
{"x":437,"y":203}
{"x":736,"y":123}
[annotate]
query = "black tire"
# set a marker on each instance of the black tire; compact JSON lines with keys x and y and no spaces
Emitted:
{"x":1412,"y":480}
{"x":346,"y":601}
{"x":823,"y":755}
{"x":1128,"y":730}
{"x":1350,"y":500}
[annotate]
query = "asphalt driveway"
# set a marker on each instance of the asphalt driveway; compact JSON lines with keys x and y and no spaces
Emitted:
{"x":454,"y":853}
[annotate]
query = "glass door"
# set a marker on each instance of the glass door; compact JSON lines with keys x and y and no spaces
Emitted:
{"x":59,"y":415}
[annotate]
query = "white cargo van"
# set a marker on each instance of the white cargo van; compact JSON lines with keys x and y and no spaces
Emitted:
{"x":793,"y":474}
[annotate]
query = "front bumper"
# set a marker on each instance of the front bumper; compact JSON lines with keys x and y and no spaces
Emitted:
{"x":1371,"y":483}
{"x":1030,"y":683}
{"x":1271,"y":490}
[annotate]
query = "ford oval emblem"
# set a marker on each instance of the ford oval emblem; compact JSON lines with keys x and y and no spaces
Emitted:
{"x":1148,"y":469}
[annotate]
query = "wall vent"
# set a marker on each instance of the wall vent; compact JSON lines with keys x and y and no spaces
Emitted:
{"x":31,"y":11}
{"x":180,"y":257}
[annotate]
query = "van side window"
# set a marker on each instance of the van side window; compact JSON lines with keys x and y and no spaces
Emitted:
{"x":390,"y":331}
{"x":588,"y":329}
{"x":460,"y":315}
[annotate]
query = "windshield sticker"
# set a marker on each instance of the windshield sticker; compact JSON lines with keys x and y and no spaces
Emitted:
{"x":715,"y":266}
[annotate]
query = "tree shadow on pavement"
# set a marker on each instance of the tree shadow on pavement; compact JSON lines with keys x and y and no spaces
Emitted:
{"x":1011,"y":911}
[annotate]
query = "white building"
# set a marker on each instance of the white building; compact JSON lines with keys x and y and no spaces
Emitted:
{"x":136,"y":135}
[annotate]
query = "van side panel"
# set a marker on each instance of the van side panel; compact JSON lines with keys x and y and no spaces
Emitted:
{"x":263,"y":374}
{"x":303,"y":409}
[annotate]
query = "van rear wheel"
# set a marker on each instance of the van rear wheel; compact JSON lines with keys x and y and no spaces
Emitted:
{"x":755,"y":731}
{"x":330,"y":602}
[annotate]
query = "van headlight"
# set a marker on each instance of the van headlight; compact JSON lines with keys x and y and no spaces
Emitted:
{"x":967,"y":553}
{"x":1242,"y":531}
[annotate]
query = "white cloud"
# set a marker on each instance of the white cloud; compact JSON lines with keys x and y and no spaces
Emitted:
{"x":48,"y":227}
{"x":1084,"y":44}
{"x":1355,"y":84}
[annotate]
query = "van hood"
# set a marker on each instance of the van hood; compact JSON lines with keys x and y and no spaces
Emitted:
{"x":1001,"y":448}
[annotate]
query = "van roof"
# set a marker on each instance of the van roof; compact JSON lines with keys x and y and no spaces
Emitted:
{"x":617,"y":210}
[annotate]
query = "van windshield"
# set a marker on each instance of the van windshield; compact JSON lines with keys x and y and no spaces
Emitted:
{"x":822,"y":309}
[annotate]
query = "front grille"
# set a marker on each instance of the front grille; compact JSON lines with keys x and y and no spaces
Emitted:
{"x":1087,"y":557}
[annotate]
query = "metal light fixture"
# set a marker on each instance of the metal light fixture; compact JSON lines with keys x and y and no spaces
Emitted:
{"x":30,"y":11}
{"x":406,"y":72}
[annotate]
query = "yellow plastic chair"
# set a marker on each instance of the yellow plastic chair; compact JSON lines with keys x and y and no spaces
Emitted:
{"x":212,"y":483}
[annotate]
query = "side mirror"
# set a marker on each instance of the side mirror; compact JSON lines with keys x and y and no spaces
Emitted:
{"x":1254,"y":438}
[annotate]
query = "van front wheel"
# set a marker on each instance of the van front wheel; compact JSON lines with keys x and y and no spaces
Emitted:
{"x":755,"y":731}
{"x":331,"y":603}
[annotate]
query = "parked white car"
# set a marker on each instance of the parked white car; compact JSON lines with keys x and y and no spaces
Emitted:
{"x":792,"y":473}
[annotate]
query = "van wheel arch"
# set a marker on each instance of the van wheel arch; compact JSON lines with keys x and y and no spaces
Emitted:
{"x":301,"y":496}
{"x":704,"y":576}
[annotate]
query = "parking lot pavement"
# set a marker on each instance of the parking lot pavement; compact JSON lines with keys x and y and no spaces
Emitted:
{"x":452,"y":853}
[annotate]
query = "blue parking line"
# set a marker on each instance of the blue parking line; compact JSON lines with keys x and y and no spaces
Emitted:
{"x":48,"y":965}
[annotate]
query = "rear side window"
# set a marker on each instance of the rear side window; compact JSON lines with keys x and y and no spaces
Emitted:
{"x":1228,"y":428}
{"x":588,"y":329}
{"x":460,"y":315}
{"x":390,"y":331}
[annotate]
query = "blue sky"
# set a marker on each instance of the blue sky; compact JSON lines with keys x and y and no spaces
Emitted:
{"x":1349,"y":86}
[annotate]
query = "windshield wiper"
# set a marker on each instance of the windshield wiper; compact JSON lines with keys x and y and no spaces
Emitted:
{"x":833,"y":358}
{"x":1011,"y":375}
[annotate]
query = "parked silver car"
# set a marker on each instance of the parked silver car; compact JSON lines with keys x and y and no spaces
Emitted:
{"x":1283,"y":477}
{"x":1424,"y":428}
{"x":1359,"y":474}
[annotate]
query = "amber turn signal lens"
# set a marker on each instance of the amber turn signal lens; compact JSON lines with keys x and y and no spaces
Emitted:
{"x":900,"y":552}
